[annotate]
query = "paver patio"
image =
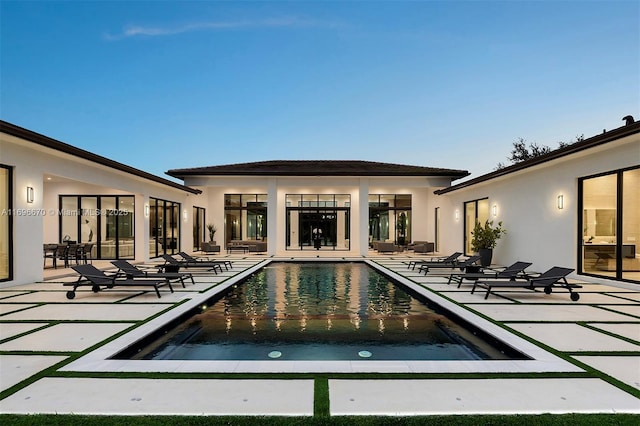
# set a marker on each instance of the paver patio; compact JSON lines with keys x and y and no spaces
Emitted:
{"x":39,"y":328}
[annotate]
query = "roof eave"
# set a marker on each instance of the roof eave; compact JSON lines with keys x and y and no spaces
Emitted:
{"x":37,"y":138}
{"x":592,"y":142}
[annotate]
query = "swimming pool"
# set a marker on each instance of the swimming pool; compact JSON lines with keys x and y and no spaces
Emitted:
{"x":319,"y":311}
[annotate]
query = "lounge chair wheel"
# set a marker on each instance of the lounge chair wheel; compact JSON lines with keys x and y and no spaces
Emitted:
{"x":71,"y":294}
{"x":95,"y":288}
{"x":575,"y":297}
{"x":548,"y":290}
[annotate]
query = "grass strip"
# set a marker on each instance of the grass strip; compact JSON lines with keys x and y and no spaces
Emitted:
{"x":321,"y":404}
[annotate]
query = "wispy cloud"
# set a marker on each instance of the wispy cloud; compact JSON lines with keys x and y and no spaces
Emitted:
{"x":282,"y":22}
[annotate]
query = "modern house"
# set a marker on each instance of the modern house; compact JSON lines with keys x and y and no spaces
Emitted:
{"x":577,"y":206}
{"x":321,"y":205}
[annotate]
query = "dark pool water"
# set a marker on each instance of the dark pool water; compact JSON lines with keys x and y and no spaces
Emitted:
{"x":320,"y":311}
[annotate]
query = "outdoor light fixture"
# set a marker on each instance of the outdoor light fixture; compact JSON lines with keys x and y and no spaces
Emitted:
{"x":495,"y":210}
{"x":146,"y":210}
{"x":29,"y":194}
{"x":185,"y":215}
{"x":457,"y":214}
{"x":560,"y":202}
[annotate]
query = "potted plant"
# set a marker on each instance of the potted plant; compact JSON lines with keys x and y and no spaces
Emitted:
{"x":212,"y":231}
{"x":484,"y":240}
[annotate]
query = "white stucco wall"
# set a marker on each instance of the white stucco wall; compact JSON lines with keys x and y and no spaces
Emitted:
{"x":421,"y":190}
{"x":527,"y":205}
{"x":72,"y":176}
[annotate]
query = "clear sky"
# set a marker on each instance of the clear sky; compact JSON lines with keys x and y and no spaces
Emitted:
{"x":172,"y":84}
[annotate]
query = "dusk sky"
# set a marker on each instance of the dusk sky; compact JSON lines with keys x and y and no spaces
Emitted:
{"x":172,"y":84}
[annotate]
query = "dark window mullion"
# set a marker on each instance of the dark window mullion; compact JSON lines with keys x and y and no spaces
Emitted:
{"x":619,"y":230}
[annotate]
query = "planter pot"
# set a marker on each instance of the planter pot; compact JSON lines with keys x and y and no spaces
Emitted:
{"x":485,"y":257}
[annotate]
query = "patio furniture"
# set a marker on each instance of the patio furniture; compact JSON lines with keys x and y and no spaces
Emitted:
{"x":554,"y":277}
{"x":510,"y":272}
{"x":237,"y":247}
{"x":86,"y":255}
{"x":227,"y":263}
{"x":62,"y":253}
{"x":97,"y":279}
{"x":425,"y":247}
{"x":49,"y":251}
{"x":451,"y":259}
{"x":173,"y":265}
{"x":388,"y":248}
{"x":74,"y":253}
{"x":210,"y":247}
{"x":441,"y":265}
{"x":132,"y":271}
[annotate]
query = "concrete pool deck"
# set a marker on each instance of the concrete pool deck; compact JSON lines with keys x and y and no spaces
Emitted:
{"x":51,"y":356}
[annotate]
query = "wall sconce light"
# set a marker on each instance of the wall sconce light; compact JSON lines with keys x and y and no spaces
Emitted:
{"x":185,"y":215}
{"x":560,"y":202}
{"x":495,"y":210}
{"x":29,"y":194}
{"x":457,"y":215}
{"x":146,"y":210}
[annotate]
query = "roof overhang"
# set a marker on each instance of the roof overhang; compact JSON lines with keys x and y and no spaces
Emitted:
{"x":601,"y":139}
{"x":319,"y":168}
{"x":42,"y":140}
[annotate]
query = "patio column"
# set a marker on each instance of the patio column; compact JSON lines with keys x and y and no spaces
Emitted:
{"x":363,"y":218}
{"x":272,"y":216}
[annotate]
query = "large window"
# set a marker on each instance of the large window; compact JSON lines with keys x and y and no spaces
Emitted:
{"x":245,"y":217}
{"x":6,"y":223}
{"x":476,"y":211}
{"x":198,"y":228}
{"x":437,"y":229}
{"x":105,"y":221}
{"x":164,"y":227}
{"x":610,"y":225}
{"x":318,"y":221}
{"x":390,"y":218}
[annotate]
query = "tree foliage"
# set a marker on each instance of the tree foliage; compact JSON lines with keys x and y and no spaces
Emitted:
{"x":522,"y":152}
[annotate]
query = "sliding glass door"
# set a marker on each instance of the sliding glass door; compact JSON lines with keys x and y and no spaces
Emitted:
{"x":610,"y":225}
{"x":476,"y":211}
{"x":6,"y":223}
{"x":105,"y":221}
{"x":164,"y":227}
{"x":198,"y":228}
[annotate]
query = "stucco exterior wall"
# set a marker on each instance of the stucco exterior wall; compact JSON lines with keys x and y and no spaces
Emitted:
{"x":72,"y":176}
{"x":277,"y":188}
{"x":526,"y":203}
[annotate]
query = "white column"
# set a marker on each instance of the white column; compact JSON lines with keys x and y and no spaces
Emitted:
{"x":273,"y":211}
{"x":362,"y":235}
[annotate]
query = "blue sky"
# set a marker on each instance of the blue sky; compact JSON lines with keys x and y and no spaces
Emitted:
{"x":171,"y":84}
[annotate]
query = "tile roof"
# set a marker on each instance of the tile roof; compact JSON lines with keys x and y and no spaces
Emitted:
{"x":316,"y":168}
